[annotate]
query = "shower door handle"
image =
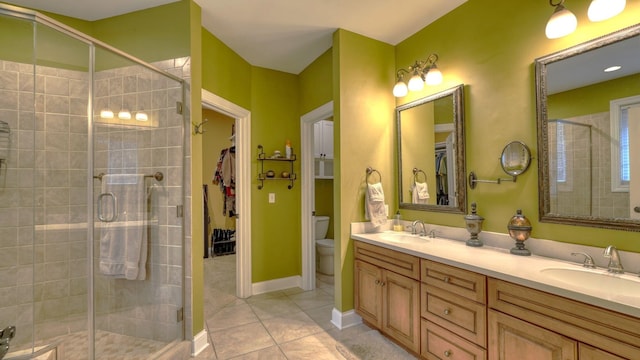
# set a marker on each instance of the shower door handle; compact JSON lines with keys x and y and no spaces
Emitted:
{"x":114,"y":202}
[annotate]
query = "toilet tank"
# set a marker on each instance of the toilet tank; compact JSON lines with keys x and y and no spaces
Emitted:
{"x":322,"y":226}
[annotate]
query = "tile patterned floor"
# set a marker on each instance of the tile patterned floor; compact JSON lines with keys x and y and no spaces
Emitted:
{"x":290,"y":324}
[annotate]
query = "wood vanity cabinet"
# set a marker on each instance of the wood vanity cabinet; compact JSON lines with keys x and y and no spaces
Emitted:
{"x":453,"y":310}
{"x":525,"y":323}
{"x":387,"y":292}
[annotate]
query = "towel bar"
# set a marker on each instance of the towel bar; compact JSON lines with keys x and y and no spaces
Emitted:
{"x":370,"y":171}
{"x":158,"y":176}
{"x":417,"y":172}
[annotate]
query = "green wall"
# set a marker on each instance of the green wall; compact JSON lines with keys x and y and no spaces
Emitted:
{"x":491,"y":48}
{"x":364,"y":135}
{"x":591,"y":99}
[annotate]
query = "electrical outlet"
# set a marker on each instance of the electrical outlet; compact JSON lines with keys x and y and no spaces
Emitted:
{"x":272,"y":198}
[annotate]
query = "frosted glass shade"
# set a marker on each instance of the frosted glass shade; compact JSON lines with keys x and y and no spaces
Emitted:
{"x":434,"y":76}
{"x":600,"y":10}
{"x":400,"y":89}
{"x":416,"y":83}
{"x":561,"y":23}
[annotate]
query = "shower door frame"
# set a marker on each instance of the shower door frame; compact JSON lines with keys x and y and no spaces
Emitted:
{"x":39,"y":19}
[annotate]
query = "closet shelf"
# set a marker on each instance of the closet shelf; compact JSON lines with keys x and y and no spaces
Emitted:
{"x":262,"y":174}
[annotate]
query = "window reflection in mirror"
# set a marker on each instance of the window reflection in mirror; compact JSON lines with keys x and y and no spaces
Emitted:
{"x":589,"y":126}
{"x":431,"y":153}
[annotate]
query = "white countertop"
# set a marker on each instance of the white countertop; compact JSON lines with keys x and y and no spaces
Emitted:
{"x":524,"y":270}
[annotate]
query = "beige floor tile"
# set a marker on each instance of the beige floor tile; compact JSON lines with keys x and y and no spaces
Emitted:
{"x":319,"y":346}
{"x":291,"y":326}
{"x":270,"y":353}
{"x":312,"y":299}
{"x":240,"y":340}
{"x":231,"y":316}
{"x":267,"y":308}
{"x":322,"y":316}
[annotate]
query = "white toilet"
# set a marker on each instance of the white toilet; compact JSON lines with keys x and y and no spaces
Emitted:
{"x":324,"y":247}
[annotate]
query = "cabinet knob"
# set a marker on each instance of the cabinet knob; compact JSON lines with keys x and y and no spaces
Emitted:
{"x":377,"y":282}
{"x":382,"y":283}
{"x":446,"y":279}
{"x":447,"y":353}
{"x":447,"y":311}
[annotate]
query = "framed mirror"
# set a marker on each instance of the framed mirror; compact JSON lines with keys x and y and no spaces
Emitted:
{"x":431,"y":156}
{"x":588,"y":118}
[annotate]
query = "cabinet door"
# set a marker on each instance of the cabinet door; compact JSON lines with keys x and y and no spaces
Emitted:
{"x":368,"y":292}
{"x":590,"y":353}
{"x":401,"y":309}
{"x":514,"y":339}
{"x":323,"y":139}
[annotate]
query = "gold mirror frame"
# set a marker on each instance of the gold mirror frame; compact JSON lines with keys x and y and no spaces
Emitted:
{"x":458,"y":118}
{"x":544,"y":203}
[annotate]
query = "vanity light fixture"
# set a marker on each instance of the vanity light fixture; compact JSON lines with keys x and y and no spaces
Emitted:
{"x":421,"y":72}
{"x":562,"y":22}
{"x":600,"y":10}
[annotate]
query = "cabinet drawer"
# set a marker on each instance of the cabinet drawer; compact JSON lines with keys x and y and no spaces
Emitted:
{"x":438,"y":343}
{"x":586,"y":352}
{"x":458,"y":281}
{"x":460,"y":315}
{"x":400,"y":263}
{"x":605,"y":329}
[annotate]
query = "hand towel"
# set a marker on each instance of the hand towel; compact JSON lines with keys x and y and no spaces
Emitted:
{"x":374,"y":207}
{"x":123,"y":242}
{"x":419,"y":193}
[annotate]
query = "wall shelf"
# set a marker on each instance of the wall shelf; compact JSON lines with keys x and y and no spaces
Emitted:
{"x":262,"y":175}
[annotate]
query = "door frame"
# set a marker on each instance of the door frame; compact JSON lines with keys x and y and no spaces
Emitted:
{"x":243,"y":186}
{"x":308,"y":192}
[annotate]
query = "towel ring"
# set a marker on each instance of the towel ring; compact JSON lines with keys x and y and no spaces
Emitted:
{"x":417,"y":172}
{"x":370,"y":171}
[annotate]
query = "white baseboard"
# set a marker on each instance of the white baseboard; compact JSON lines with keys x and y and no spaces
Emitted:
{"x":276,"y":284}
{"x":343,"y":320}
{"x":199,"y":343}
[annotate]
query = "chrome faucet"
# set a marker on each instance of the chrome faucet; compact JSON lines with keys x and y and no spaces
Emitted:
{"x":414,"y":230}
{"x":615,"y":266}
{"x":588,"y":260}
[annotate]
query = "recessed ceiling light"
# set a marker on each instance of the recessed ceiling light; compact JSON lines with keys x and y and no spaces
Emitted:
{"x":613,"y":68}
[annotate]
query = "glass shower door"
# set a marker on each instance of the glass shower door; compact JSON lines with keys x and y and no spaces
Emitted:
{"x":137,"y":136}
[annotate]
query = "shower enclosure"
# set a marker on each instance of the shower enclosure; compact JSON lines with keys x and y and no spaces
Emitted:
{"x":78,"y":115}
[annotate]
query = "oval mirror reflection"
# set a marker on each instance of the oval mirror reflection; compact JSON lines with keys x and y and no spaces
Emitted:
{"x":515,"y":158}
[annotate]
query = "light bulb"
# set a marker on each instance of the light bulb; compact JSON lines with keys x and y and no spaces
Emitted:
{"x":434,"y":76}
{"x":400,"y":89}
{"x":600,"y":10}
{"x":124,"y":115}
{"x":142,"y":116}
{"x":106,"y":114}
{"x":561,"y":23}
{"x":416,"y":83}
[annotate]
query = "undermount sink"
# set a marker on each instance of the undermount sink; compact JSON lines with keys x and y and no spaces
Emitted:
{"x":596,"y":280}
{"x":402,"y":237}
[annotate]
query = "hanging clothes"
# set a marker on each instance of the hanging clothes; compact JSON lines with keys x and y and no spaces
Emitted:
{"x":225,"y":176}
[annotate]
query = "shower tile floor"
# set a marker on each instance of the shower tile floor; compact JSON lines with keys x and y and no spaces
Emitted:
{"x":290,"y":324}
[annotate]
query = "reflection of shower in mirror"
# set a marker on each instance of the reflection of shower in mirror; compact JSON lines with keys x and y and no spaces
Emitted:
{"x":5,"y":141}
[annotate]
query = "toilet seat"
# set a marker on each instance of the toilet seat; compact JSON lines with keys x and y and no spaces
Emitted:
{"x":325,"y":242}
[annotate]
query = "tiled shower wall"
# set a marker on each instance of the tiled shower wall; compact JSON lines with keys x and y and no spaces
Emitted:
{"x":587,"y":191}
{"x":43,"y":207}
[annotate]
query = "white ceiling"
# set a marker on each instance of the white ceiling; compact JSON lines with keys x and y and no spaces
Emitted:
{"x":285,"y":35}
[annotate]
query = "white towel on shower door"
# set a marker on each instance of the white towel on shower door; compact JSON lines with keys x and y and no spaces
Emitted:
{"x":123,"y":242}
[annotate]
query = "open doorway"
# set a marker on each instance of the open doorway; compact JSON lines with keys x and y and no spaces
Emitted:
{"x":310,"y":165}
{"x":240,"y":120}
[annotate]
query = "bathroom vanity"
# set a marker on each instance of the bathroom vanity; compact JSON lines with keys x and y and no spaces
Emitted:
{"x":441,"y":299}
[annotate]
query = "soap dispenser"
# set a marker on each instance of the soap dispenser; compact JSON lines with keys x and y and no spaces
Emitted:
{"x":397,"y":222}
